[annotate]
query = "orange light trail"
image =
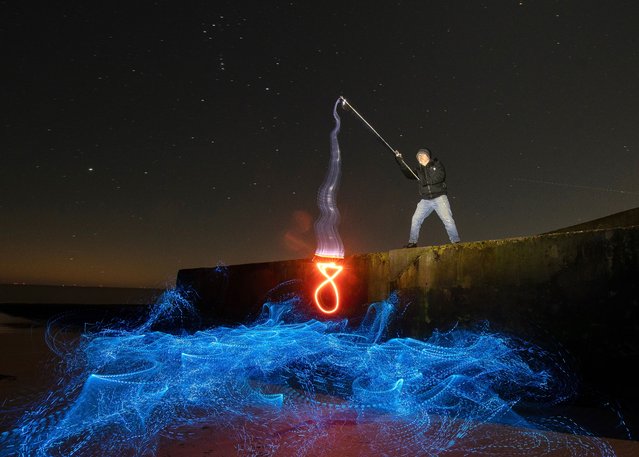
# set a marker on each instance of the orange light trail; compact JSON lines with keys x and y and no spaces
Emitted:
{"x":324,"y":268}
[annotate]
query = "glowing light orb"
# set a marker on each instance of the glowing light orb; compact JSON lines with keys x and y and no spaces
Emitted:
{"x":330,"y":270}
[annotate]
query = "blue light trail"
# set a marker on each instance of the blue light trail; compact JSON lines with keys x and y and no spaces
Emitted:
{"x":126,"y":388}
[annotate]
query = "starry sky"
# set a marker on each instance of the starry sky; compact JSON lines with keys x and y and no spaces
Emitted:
{"x":141,"y":137}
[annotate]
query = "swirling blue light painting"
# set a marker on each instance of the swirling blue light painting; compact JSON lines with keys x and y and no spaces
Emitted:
{"x":126,"y":389}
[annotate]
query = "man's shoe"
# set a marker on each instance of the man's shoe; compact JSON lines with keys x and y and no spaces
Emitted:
{"x":411,"y":245}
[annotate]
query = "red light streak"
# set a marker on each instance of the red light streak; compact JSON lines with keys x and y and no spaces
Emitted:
{"x":336,"y":269}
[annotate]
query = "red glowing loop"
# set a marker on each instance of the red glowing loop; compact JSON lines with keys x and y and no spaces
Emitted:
{"x":336,"y":270}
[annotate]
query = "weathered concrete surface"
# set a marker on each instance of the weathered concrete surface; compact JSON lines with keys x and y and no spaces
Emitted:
{"x":507,"y":280}
{"x":574,"y":289}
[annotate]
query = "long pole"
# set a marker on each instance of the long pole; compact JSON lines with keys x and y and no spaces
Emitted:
{"x":345,"y":102}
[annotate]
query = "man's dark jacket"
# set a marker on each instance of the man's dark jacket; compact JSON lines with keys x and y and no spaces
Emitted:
{"x":432,"y":177}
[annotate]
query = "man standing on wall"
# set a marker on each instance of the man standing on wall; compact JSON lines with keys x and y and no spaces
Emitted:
{"x":432,"y":189}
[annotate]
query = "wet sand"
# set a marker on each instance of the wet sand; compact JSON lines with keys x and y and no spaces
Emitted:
{"x":364,"y":439}
{"x":26,"y":366}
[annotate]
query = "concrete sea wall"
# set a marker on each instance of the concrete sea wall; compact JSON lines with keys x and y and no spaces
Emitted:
{"x":577,"y":290}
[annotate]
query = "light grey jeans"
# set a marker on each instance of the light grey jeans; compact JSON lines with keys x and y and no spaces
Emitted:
{"x":441,"y":206}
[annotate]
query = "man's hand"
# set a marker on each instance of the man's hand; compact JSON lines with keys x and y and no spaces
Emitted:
{"x":397,"y":154}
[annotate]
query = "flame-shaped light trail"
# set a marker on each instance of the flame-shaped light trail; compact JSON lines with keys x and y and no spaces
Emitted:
{"x":329,"y":244}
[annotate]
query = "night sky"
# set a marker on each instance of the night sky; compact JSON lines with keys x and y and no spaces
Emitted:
{"x":138,"y":138}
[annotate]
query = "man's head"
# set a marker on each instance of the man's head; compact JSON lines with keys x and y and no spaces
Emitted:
{"x":423,"y":156}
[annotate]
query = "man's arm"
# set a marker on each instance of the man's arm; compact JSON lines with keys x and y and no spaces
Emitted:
{"x":405,"y":168}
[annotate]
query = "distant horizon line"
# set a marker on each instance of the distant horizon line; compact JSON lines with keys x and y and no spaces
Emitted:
{"x":23,"y":284}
